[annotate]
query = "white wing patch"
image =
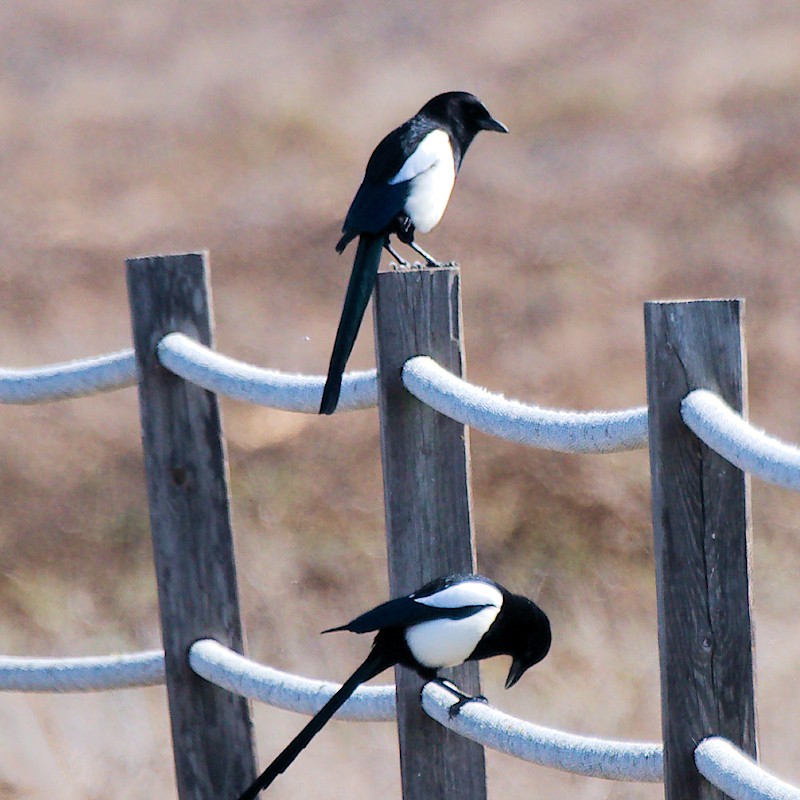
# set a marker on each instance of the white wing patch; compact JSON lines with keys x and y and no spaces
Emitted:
{"x":434,"y":147}
{"x":431,"y":171}
{"x":466,"y":593}
{"x":448,"y":642}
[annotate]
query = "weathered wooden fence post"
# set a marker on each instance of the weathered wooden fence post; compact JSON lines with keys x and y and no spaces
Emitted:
{"x":701,"y":526}
{"x":426,"y":475}
{"x":187,"y":484}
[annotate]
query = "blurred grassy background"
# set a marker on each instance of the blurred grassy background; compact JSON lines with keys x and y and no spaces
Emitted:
{"x":653,"y":153}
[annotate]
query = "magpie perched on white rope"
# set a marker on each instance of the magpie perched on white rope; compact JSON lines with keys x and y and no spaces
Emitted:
{"x":406,"y":187}
{"x":445,"y":623}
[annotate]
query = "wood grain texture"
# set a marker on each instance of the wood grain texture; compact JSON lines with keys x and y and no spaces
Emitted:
{"x":702,"y":527}
{"x":427,"y":495}
{"x":187,"y":482}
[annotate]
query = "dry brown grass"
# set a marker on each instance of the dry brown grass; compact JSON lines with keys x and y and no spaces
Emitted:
{"x":653,"y":153}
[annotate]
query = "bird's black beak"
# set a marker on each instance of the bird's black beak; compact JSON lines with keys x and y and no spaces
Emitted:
{"x":517,"y":670}
{"x":492,"y":124}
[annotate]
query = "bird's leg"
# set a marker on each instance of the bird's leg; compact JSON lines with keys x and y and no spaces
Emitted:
{"x":463,"y":698}
{"x":401,"y":262}
{"x":404,"y":229}
{"x":432,"y":262}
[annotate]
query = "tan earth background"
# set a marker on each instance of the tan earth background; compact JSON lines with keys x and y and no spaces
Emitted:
{"x":653,"y":154}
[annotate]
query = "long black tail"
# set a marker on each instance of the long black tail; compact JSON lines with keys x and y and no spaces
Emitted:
{"x":359,"y":289}
{"x":374,"y":664}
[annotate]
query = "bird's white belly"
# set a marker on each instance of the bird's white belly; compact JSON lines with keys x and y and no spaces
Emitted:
{"x":448,"y":642}
{"x":430,"y":191}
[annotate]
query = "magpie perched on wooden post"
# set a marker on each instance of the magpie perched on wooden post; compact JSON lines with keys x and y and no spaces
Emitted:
{"x":445,"y":623}
{"x":406,"y":187}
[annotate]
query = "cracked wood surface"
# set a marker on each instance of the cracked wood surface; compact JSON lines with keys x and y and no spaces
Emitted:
{"x":701,"y":529}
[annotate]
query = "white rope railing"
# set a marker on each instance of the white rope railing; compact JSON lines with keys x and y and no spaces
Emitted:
{"x":580,"y":755}
{"x":235,"y":673}
{"x":736,"y":440}
{"x":737,"y":775}
{"x":717,"y":759}
{"x":549,"y":429}
{"x":71,"y":379}
{"x":268,"y":387}
{"x":706,"y":414}
{"x":229,"y":670}
{"x":86,"y":674}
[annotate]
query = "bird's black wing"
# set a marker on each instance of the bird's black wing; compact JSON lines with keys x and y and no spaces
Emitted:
{"x":403,"y":612}
{"x":477,"y":593}
{"x":374,"y":207}
{"x":377,"y":202}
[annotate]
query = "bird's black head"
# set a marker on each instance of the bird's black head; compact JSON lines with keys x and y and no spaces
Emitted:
{"x":529,"y":629}
{"x":463,"y":113}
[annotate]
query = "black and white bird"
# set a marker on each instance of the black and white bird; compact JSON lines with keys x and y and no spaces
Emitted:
{"x":406,"y":187}
{"x":445,"y":623}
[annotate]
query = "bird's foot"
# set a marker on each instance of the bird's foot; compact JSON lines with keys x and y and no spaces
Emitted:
{"x":434,"y":264}
{"x":430,"y":261}
{"x":400,"y":265}
{"x":463,"y":698}
{"x":455,"y":709}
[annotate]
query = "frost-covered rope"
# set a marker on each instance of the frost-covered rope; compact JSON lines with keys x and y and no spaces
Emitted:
{"x":87,"y":674}
{"x":267,"y":387}
{"x":581,"y":755}
{"x":737,"y":775}
{"x":70,"y":379}
{"x":564,"y":431}
{"x":222,"y":667}
{"x":748,"y":448}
